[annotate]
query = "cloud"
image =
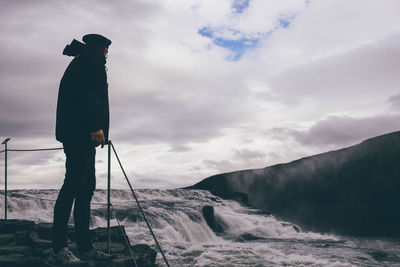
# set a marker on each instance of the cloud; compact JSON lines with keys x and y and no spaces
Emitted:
{"x":356,"y":82}
{"x":157,"y":180}
{"x":248,"y":155}
{"x":180,"y":148}
{"x":175,"y":98}
{"x":18,"y":120}
{"x":175,"y":117}
{"x":221,"y":166}
{"x":394,"y":100}
{"x":166,"y":101}
{"x":340,"y":131}
{"x":324,"y":29}
{"x":240,"y":159}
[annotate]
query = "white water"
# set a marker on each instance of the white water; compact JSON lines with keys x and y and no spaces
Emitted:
{"x":177,"y":220}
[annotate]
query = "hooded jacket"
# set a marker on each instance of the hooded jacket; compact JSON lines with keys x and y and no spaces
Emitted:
{"x":82,"y":105}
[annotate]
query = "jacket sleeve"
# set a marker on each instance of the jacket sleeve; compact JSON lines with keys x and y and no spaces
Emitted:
{"x":94,"y":87}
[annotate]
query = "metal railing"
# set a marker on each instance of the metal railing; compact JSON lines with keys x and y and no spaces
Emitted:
{"x":6,"y":149}
{"x":109,"y":206}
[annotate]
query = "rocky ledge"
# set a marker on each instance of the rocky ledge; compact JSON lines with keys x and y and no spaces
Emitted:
{"x":26,"y":243}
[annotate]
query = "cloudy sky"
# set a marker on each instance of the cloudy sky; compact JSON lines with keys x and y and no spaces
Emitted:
{"x":200,"y":87}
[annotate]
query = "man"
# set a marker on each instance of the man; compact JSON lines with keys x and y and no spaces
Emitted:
{"x":82,"y":124}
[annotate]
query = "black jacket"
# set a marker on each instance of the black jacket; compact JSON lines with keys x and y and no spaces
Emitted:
{"x":82,"y":105}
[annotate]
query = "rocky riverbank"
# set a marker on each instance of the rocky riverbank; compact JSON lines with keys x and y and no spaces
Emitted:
{"x":26,"y":243}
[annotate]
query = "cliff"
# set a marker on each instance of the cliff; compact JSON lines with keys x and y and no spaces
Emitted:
{"x":354,"y":190}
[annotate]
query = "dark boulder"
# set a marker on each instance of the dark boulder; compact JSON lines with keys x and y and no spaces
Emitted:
{"x":213,"y":222}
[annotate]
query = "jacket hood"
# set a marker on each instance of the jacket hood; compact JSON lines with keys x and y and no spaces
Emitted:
{"x":87,"y":53}
{"x":74,"y":48}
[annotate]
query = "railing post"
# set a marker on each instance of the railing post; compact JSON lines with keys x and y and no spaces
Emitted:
{"x":5,"y":178}
{"x":108,"y":196}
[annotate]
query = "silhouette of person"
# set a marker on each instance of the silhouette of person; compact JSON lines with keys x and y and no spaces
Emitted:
{"x":82,"y":124}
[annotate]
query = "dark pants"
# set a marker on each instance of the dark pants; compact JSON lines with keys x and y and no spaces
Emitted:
{"x":79,"y":185}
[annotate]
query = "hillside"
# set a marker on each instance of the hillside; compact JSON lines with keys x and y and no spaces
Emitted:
{"x":354,"y":190}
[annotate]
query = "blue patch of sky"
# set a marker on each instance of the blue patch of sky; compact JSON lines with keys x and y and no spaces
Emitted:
{"x":284,"y":23}
{"x":285,"y":20}
{"x":240,"y":46}
{"x":207,"y":32}
{"x":240,"y":5}
{"x":237,"y":46}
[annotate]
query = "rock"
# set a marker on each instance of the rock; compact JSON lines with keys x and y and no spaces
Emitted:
{"x":34,"y":241}
{"x":42,"y":244}
{"x":21,"y":237}
{"x":7,"y":239}
{"x":13,"y":225}
{"x":295,"y":227}
{"x":115,"y":248}
{"x":20,"y":260}
{"x":216,"y":225}
{"x":7,"y":250}
{"x":31,"y":237}
{"x":144,"y":255}
{"x":116,"y":235}
{"x":142,"y":260}
{"x":29,"y":245}
{"x":46,"y":252}
{"x":124,"y":261}
{"x":45,"y":230}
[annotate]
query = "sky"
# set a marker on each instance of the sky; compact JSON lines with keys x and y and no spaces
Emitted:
{"x":201,"y":87}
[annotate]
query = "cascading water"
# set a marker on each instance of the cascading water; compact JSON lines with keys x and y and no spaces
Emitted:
{"x":246,"y":237}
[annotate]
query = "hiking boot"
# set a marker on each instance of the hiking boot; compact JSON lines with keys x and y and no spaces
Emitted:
{"x":94,"y":254}
{"x":64,"y":256}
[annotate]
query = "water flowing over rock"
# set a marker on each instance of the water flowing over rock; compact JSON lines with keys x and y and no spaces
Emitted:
{"x":250,"y":237}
